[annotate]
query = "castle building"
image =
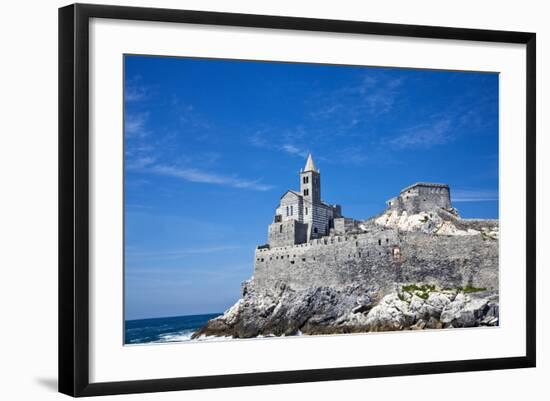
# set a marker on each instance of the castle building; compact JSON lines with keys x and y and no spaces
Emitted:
{"x":310,"y":244}
{"x":303,"y":216}
{"x":422,"y":196}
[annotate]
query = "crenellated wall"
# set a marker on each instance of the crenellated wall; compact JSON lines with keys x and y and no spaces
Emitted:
{"x":380,"y":258}
{"x":422,"y":197}
{"x":287,"y":233}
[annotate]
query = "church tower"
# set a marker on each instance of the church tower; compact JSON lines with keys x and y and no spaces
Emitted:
{"x":302,"y":217}
{"x":310,"y":183}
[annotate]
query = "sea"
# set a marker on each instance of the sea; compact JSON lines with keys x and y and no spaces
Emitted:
{"x":164,"y":329}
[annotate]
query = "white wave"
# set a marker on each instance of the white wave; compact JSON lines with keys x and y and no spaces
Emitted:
{"x":213,"y":338}
{"x":185,"y":336}
{"x":175,"y":337}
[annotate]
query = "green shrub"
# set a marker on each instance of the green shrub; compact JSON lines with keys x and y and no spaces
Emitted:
{"x":421,"y":291}
{"x":469,"y":289}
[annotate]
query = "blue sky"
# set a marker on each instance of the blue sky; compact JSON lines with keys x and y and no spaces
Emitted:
{"x":211,"y":145}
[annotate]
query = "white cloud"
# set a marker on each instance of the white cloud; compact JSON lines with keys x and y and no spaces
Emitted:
{"x":170,"y":255}
{"x":139,"y":158}
{"x":469,"y":195}
{"x":134,"y":91}
{"x":371,"y":96}
{"x":293,"y":150}
{"x":139,"y":163}
{"x":258,"y":139}
{"x":134,"y":125}
{"x":424,"y":135}
{"x":196,"y":175}
{"x":279,"y":142}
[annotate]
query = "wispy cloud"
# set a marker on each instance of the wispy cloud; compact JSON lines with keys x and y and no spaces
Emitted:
{"x":139,"y":163}
{"x":424,"y":136}
{"x":351,"y":104}
{"x":148,"y":164}
{"x":200,"y":176}
{"x":474,"y":195}
{"x":331,"y":114}
{"x":191,"y":119}
{"x":145,"y":155}
{"x":258,"y":139}
{"x":293,"y":150}
{"x":463,"y":117}
{"x":134,"y":90}
{"x":171,"y":255}
{"x":347,"y":156}
{"x":287,"y":142}
{"x":134,"y":125}
{"x":135,"y":93}
{"x":378,"y":96}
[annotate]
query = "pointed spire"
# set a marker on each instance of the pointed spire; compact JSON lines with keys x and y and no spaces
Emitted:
{"x":310,"y":165}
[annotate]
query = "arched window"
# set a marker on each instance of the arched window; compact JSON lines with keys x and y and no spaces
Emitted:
{"x":291,"y":210}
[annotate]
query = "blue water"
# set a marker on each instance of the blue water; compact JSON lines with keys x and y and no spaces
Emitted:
{"x":164,"y":329}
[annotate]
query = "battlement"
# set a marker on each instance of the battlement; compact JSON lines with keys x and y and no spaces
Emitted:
{"x":327,"y":240}
{"x":424,"y":184}
{"x":310,"y":243}
{"x":380,"y":258}
{"x":421,"y":197}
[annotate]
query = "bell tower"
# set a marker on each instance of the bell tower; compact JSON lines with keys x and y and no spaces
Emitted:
{"x":310,"y":183}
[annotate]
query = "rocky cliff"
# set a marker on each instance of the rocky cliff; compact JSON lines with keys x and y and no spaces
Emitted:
{"x":325,"y":310}
{"x":443,"y":275}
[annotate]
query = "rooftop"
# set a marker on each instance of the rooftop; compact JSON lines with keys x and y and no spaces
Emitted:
{"x":310,"y":165}
{"x":425,"y":184}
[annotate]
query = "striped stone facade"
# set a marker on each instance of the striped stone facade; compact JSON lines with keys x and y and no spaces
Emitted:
{"x":305,"y":207}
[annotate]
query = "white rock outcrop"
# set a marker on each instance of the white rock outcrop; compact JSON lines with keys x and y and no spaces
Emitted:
{"x":427,"y":222}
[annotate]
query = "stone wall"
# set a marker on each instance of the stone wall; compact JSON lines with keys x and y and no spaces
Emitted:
{"x":321,"y":220}
{"x":421,"y":197}
{"x":344,"y":225}
{"x":290,"y":207}
{"x":287,"y":233}
{"x":380,"y":258}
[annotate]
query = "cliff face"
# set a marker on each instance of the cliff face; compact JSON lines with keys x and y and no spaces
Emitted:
{"x":431,"y":270}
{"x":353,"y":309}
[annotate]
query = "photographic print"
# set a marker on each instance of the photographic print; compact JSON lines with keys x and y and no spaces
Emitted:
{"x":274,"y":199}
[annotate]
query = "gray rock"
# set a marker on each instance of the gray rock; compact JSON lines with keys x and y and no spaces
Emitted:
{"x":421,"y":324}
{"x":390,"y":314}
{"x":326,"y":310}
{"x":467,"y":310}
{"x":434,"y":323}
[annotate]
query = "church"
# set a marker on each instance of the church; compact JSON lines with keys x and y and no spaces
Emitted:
{"x":303,"y":216}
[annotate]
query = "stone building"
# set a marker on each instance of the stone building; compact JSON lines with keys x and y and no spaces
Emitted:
{"x":422,"y":196}
{"x":303,"y":216}
{"x":310,"y":243}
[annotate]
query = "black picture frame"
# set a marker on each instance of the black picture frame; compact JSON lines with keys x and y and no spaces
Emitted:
{"x":74,"y":198}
